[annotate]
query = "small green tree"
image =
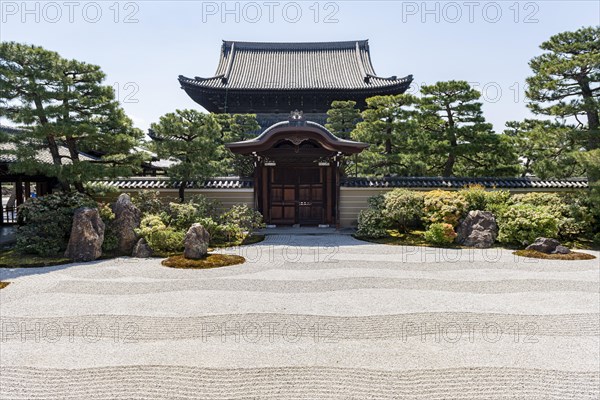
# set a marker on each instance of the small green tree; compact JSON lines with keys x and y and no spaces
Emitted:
{"x":459,"y":140}
{"x":63,"y":102}
{"x":390,"y":129}
{"x":235,"y":128}
{"x":546,"y":148}
{"x":566,"y":80}
{"x":342,"y":118}
{"x":193,"y":139}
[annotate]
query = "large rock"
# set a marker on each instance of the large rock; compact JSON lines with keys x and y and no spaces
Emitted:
{"x":127,"y":219}
{"x":142,"y":249}
{"x":87,"y":235}
{"x":478,"y":229}
{"x":196,"y":242}
{"x":560,"y":249}
{"x":544,"y":245}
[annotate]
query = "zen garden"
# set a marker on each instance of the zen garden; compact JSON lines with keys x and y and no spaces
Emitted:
{"x":352,"y":160}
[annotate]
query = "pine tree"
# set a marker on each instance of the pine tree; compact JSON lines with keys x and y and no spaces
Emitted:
{"x":192,"y":138}
{"x":235,"y":128}
{"x":458,"y":139}
{"x":342,"y":118}
{"x":63,"y":102}
{"x":566,"y":81}
{"x":390,"y":128}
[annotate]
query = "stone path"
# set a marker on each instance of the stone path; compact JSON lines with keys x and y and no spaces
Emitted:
{"x":307,"y":317}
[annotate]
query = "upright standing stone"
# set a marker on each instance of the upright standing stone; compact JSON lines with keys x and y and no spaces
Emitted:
{"x":142,"y":249}
{"x":196,"y":242}
{"x":478,"y":229}
{"x":127,"y":219}
{"x":87,"y":235}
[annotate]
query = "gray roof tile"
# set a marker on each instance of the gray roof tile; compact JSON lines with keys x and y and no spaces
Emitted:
{"x":295,"y":66}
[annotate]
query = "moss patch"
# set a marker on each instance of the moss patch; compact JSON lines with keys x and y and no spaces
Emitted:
{"x":538,"y":254}
{"x":412,"y":238}
{"x":210,"y":261}
{"x":12,"y":259}
{"x":4,"y":284}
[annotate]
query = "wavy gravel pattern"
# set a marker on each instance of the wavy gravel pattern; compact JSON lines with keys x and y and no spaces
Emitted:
{"x":397,"y":326}
{"x":360,"y":301}
{"x":140,"y":382}
{"x":326,"y":285}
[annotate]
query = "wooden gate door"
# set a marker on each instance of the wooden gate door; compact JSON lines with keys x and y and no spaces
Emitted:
{"x":296,"y":195}
{"x":310,"y":196}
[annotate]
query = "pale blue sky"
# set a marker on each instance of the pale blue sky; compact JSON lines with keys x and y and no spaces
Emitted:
{"x":172,"y":38}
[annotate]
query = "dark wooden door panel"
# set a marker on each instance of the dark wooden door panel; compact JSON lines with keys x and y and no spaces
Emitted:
{"x":297,"y":195}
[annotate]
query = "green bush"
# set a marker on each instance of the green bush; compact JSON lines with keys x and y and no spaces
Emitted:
{"x":148,"y":202}
{"x":371,"y":224}
{"x":522,"y":223}
{"x":244,"y":217}
{"x":163,"y":240}
{"x":111,"y":240}
{"x":46,"y":222}
{"x":571,"y":211}
{"x":207,"y":207}
{"x":441,"y":206}
{"x":478,"y":198}
{"x":403,"y":208}
{"x":440,"y":233}
{"x":180,"y":216}
{"x":102,"y":191}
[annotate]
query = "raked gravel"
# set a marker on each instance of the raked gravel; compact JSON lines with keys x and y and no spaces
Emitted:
{"x":306,"y":317}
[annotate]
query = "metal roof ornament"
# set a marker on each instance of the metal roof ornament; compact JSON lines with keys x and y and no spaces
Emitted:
{"x":297,"y":118}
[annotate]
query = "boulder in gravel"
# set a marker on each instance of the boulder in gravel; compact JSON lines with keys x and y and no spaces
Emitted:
{"x":478,"y":229}
{"x":560,"y":249}
{"x":127,"y":219}
{"x":142,"y":249}
{"x":544,"y":245}
{"x":87,"y":235}
{"x":196,"y":242}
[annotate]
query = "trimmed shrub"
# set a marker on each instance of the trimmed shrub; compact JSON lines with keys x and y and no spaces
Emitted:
{"x":244,"y":217}
{"x":403,"y":208}
{"x":440,"y":233}
{"x":47,"y":222}
{"x":181,"y":216}
{"x":441,"y":206}
{"x":111,"y":240}
{"x":148,"y":202}
{"x":477,"y":198}
{"x":371,"y":224}
{"x":522,"y":223}
{"x":574,"y":217}
{"x":162,"y":239}
{"x":205,"y":206}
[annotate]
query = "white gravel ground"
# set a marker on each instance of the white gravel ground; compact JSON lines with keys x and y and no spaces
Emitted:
{"x":307,"y":317}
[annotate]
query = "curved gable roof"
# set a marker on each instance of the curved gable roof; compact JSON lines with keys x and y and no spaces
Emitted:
{"x":297,"y":132}
{"x":296,"y":66}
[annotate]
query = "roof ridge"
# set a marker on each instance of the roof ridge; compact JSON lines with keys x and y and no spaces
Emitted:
{"x":345,"y":44}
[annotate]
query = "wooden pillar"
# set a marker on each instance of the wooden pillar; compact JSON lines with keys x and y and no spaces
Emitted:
{"x":1,"y":206}
{"x":19,"y":191}
{"x":27,"y":190}
{"x":337,"y":194}
{"x":329,"y":194}
{"x":265,"y":193}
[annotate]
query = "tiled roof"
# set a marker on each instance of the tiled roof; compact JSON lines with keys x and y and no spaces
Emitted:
{"x":295,"y":66}
{"x":157,"y":183}
{"x":7,"y":150}
{"x":457,"y":183}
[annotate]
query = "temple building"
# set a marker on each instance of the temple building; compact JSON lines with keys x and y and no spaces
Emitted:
{"x":297,"y":181}
{"x":290,"y":87}
{"x":272,"y":79}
